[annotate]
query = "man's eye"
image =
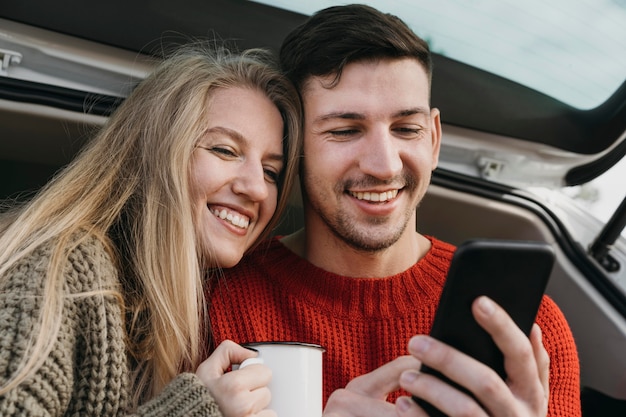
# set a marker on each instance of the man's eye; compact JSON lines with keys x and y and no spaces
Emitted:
{"x":408,"y":131}
{"x":344,"y":132}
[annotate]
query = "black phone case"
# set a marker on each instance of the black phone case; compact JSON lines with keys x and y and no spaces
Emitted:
{"x":512,"y":273}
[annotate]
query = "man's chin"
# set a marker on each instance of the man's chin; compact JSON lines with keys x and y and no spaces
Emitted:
{"x":371,"y":242}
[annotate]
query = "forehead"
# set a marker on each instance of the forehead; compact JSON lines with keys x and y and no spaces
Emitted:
{"x":245,"y":114}
{"x":394,"y":83}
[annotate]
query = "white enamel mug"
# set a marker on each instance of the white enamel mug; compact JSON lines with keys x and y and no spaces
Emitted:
{"x":296,"y":384}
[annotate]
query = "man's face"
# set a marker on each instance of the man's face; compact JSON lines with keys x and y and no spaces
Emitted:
{"x":370,"y":145}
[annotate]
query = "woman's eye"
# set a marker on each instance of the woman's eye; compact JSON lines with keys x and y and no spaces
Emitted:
{"x":222,"y":151}
{"x":271,"y":175}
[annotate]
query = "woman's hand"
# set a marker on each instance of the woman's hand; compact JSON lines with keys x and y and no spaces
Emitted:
{"x":524,"y":393}
{"x":240,"y":393}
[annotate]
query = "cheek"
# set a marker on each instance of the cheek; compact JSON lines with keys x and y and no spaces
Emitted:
{"x":325,"y":161}
{"x":270,"y":203}
{"x":420,"y":158}
{"x":196,"y":178}
{"x":206,"y":178}
{"x":434,"y":160}
{"x":267,"y":210}
{"x":195,"y":190}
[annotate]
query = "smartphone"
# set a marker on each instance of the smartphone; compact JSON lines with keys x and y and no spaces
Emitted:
{"x":512,"y":273}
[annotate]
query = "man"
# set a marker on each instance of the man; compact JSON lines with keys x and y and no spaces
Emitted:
{"x":358,"y":279}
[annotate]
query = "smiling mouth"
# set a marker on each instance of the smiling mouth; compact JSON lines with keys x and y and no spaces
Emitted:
{"x":373,"y":196}
{"x":234,"y":218}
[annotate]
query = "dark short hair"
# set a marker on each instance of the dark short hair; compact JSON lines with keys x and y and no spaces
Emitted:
{"x":336,"y":36}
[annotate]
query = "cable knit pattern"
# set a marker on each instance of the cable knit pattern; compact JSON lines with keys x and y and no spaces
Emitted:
{"x":362,"y":322}
{"x":87,"y":373}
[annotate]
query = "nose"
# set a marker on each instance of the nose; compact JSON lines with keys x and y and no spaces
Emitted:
{"x":380,"y":155}
{"x":250,"y":181}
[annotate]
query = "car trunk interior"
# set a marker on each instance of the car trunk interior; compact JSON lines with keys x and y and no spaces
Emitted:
{"x":39,"y":137}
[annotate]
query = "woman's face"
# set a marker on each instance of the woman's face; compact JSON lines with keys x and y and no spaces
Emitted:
{"x":235,"y":168}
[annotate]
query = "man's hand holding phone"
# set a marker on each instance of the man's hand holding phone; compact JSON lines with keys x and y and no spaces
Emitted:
{"x":524,"y":392}
{"x":498,"y":363}
{"x":483,"y":357}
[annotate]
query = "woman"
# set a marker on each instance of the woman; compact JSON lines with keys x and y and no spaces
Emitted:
{"x":101,"y":274}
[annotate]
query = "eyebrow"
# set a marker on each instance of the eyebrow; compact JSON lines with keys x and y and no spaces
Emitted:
{"x":413,"y":111}
{"x":360,"y":116}
{"x":240,"y":139}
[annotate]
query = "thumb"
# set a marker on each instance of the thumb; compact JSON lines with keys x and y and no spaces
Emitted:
{"x":225,"y":355}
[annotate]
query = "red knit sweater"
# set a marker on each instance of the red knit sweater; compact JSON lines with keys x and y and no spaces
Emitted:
{"x":361,"y":322}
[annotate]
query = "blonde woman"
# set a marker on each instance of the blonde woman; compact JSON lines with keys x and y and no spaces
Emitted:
{"x":102,"y":274}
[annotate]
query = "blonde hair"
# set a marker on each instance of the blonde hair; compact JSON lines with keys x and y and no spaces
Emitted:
{"x":130,"y":187}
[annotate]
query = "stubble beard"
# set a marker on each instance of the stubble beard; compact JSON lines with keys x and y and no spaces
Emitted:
{"x":364,"y":239}
{"x":373,"y":235}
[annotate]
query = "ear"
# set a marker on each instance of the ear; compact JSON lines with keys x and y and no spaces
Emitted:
{"x":435,"y":132}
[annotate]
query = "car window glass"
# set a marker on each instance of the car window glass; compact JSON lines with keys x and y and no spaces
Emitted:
{"x":566,"y":49}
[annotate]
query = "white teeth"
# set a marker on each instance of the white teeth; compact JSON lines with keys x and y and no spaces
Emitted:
{"x":233,"y":218}
{"x":368,"y":196}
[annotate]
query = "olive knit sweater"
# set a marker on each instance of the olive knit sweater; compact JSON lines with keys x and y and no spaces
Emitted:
{"x":361,"y":322}
{"x":87,"y":372}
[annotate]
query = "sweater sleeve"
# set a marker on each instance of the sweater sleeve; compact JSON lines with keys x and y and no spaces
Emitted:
{"x":46,"y":392}
{"x":186,"y":395}
{"x":87,"y":371}
{"x":564,"y":364}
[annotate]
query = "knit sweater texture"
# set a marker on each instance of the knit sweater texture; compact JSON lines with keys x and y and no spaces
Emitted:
{"x":87,"y":372}
{"x":363,"y":323}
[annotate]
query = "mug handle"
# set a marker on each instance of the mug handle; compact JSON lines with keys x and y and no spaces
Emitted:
{"x":249,"y":361}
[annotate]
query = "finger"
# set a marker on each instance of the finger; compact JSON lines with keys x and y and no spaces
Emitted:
{"x":467,"y":372}
{"x":226,"y":354}
{"x":239,"y":393}
{"x":383,"y":380}
{"x":439,"y":394}
{"x":236,"y":397}
{"x":518,"y":353}
{"x":248,"y":406}
{"x":347,"y":403}
{"x":251,"y":377}
{"x":542,"y":358}
{"x":525,"y":361}
{"x":259,"y":399}
{"x":405,"y":406}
